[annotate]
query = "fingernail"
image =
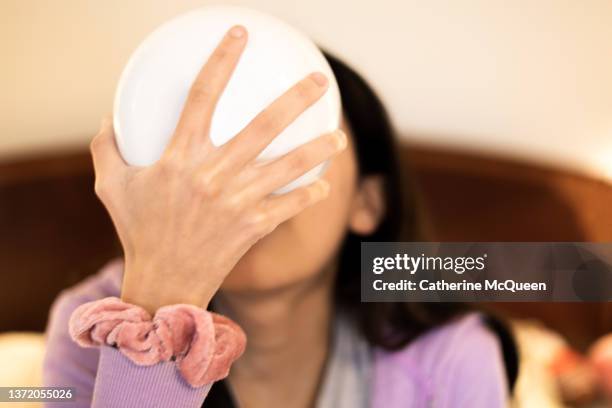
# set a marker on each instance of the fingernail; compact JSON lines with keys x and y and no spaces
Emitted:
{"x":319,"y":78}
{"x":237,"y":31}
{"x":341,"y":139}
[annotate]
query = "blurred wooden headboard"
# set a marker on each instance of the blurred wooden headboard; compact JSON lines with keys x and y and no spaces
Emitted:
{"x":55,"y":232}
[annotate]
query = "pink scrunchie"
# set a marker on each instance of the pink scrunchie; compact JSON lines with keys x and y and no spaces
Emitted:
{"x":203,"y":344}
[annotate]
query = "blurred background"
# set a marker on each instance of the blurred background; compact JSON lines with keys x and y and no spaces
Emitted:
{"x":504,"y":109}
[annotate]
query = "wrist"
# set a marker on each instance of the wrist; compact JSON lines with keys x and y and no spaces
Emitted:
{"x":152,"y":289}
{"x":203,"y":345}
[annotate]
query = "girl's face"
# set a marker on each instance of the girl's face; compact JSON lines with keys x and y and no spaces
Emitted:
{"x":305,"y":246}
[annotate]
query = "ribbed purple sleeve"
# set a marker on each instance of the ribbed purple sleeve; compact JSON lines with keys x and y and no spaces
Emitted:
{"x":121,"y":383}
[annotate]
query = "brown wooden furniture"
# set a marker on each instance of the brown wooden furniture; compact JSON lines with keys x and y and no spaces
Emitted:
{"x":473,"y":198}
{"x":54,"y":231}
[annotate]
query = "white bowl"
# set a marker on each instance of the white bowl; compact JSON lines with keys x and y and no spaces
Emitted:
{"x":155,"y":83}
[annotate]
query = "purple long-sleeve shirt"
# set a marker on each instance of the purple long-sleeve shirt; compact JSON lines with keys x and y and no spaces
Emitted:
{"x":459,"y":364}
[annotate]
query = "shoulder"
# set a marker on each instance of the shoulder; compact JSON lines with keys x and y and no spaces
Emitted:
{"x":460,"y":360}
{"x":467,"y":340}
{"x":106,"y":282}
{"x":453,"y":341}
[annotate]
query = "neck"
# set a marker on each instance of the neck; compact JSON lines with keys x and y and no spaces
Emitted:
{"x":288,"y":333}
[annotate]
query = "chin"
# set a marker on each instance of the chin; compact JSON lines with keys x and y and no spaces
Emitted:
{"x":254,"y":272}
{"x":273,"y":264}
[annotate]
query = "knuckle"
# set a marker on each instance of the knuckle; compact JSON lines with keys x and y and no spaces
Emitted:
{"x":200,"y":93}
{"x":257,"y":218}
{"x":96,"y":142}
{"x":257,"y":223}
{"x":297,"y":161}
{"x":169,"y":164}
{"x":268,"y":229}
{"x":304,"y":197}
{"x":206,"y":185}
{"x":234,"y":205}
{"x":332,"y":142}
{"x":219,"y":55}
{"x":101,"y":188}
{"x":267,"y":123}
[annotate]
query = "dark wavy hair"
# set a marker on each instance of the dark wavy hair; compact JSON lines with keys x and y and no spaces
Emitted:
{"x":387,"y":325}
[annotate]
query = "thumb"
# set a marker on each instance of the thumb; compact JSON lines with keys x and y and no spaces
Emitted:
{"x":107,"y":160}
